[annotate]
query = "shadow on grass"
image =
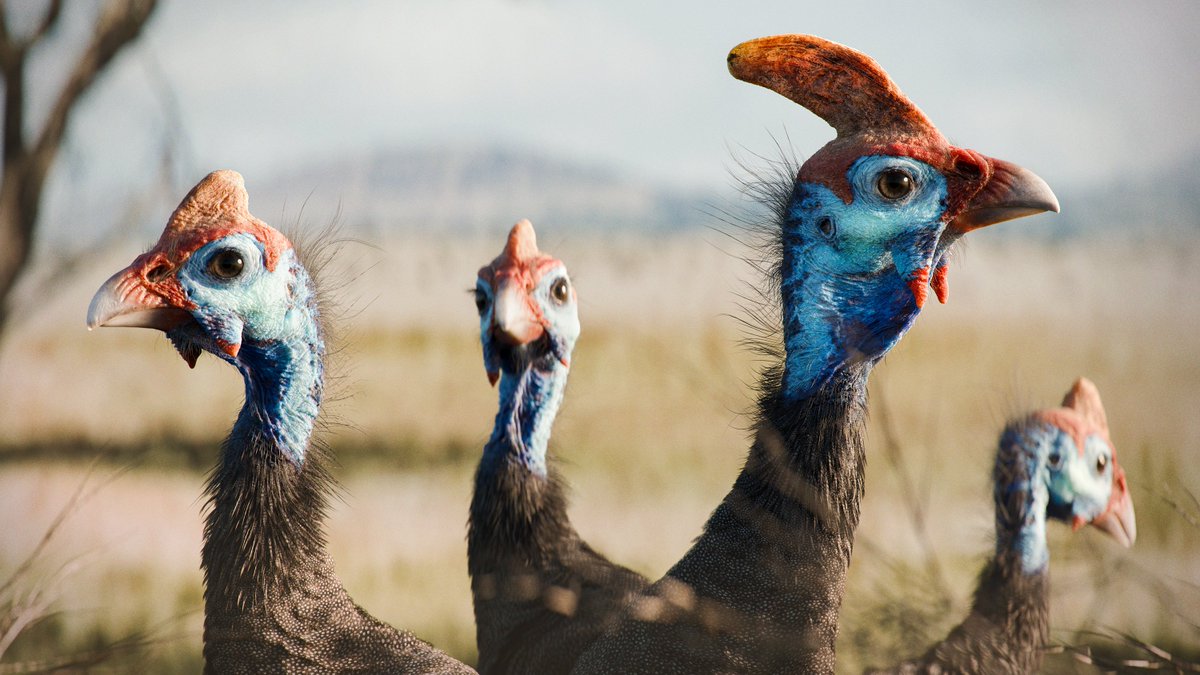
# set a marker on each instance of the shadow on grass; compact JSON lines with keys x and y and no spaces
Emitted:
{"x":199,"y":456}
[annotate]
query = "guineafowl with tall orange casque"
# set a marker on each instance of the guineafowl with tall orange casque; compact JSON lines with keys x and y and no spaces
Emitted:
{"x":859,"y":235}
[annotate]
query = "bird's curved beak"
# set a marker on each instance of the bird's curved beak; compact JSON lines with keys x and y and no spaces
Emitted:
{"x":127,"y":299}
{"x":515,"y":320}
{"x":1011,"y":192}
{"x":1118,"y":520}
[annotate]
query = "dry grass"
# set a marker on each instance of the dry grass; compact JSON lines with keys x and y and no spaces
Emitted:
{"x":651,"y":435}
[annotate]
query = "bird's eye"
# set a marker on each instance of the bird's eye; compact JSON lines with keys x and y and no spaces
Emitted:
{"x":481,"y":300}
{"x":894,"y":184}
{"x":827,"y":227}
{"x":226,"y":264}
{"x":560,"y":291}
{"x":1101,"y":462}
{"x":1055,"y":460}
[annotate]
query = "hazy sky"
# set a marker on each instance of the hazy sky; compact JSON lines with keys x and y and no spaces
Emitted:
{"x":1076,"y":90}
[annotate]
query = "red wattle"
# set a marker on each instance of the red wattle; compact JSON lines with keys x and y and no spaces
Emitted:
{"x":941,"y":283}
{"x":919,"y":286}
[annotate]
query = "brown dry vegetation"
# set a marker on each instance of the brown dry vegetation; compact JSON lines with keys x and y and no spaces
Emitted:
{"x":651,"y":436}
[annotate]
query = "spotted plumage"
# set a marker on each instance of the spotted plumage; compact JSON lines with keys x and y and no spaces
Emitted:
{"x":541,"y":594}
{"x":861,"y":231}
{"x":221,"y":281}
{"x":1055,"y":464}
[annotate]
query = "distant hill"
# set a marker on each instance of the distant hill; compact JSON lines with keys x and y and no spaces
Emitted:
{"x":477,"y":189}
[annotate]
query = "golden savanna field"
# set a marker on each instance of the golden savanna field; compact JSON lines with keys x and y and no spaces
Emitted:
{"x":650,"y":437}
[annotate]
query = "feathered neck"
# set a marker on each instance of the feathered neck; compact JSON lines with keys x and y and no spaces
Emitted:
{"x":284,"y":375}
{"x":1021,"y":498}
{"x":519,"y":507}
{"x":529,"y":402}
{"x":806,"y":465}
{"x":267,"y":497}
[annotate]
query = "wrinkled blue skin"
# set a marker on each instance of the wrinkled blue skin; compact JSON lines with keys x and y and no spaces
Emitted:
{"x":533,"y":379}
{"x":1063,"y":484}
{"x":272,"y":315}
{"x":845,"y":294}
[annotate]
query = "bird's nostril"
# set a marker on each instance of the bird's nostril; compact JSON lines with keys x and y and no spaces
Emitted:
{"x":158,"y":272}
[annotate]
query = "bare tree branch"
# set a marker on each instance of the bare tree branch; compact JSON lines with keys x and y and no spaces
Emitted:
{"x":120,"y":23}
{"x":49,"y":21}
{"x":26,"y":165}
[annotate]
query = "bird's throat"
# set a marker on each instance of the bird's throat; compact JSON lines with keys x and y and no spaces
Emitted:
{"x":529,"y":402}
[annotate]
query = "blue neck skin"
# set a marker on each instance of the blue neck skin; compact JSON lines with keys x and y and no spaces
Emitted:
{"x":284,"y":375}
{"x":834,"y":320}
{"x":1023,"y":534}
{"x":529,"y":401}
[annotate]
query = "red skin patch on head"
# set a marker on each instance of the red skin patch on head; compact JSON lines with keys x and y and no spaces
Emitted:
{"x":217,"y":207}
{"x":966,"y":171}
{"x":1081,"y":416}
{"x":520,"y":265}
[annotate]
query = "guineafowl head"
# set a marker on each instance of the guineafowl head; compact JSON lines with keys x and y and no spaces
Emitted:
{"x":869,"y":218}
{"x":528,"y":315}
{"x":1085,"y":483}
{"x":222,"y":281}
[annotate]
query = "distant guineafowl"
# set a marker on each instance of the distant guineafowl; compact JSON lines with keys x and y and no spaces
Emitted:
{"x":542,"y":594}
{"x":860,"y":234}
{"x":1059,"y":464}
{"x":222,"y":281}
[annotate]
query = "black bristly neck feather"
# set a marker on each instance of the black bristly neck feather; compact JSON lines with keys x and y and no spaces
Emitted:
{"x":519,"y":507}
{"x":541,"y":594}
{"x":1008,"y":626}
{"x":1013,"y":589}
{"x":273,"y":602}
{"x":761,"y":589}
{"x":789,"y":523}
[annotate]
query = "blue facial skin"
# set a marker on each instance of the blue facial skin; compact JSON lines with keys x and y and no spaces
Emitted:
{"x":846,"y":267}
{"x":533,"y":379}
{"x":272,"y":315}
{"x":1063,"y":484}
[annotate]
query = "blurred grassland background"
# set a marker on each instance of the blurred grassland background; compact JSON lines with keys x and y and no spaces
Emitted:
{"x":428,"y":127}
{"x":651,"y":435}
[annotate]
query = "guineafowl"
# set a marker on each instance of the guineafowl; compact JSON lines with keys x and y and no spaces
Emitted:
{"x":1059,"y":464}
{"x":220,"y":280}
{"x":541,"y":593}
{"x":857,"y":234}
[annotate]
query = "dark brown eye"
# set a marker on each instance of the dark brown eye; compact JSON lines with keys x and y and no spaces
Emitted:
{"x":1101,"y":462}
{"x":226,"y":264}
{"x":481,"y":300}
{"x":560,"y":291}
{"x":894,"y":184}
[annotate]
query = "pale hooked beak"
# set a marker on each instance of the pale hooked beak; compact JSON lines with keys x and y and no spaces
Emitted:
{"x":1118,"y":520}
{"x":124,"y":300}
{"x":514,"y":319}
{"x":1012,"y":192}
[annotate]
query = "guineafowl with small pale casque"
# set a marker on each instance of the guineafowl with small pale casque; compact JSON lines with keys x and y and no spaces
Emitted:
{"x":1057,"y":464}
{"x":221,"y":281}
{"x":542,"y":594}
{"x":861,"y":232}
